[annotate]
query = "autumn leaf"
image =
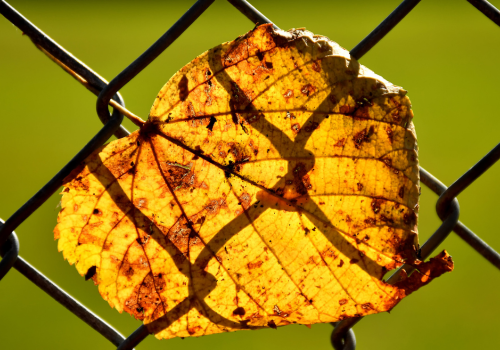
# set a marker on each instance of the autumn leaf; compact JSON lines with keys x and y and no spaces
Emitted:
{"x":276,"y":181}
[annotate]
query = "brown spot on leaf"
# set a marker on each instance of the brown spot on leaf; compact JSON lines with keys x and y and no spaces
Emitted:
{"x":127,"y":269}
{"x":301,"y":179}
{"x":363,"y":136}
{"x":254,"y":265}
{"x":368,"y":306}
{"x":384,"y":218}
{"x":253,"y":117}
{"x":178,"y":175}
{"x":346,"y":109}
{"x":340,"y":143}
{"x":370,"y":221}
{"x":401,"y":192}
{"x":376,"y":203}
{"x":211,"y":123}
{"x":329,"y":253}
{"x":245,"y":199}
{"x":179,"y":234}
{"x":87,"y":238}
{"x":107,"y":246}
{"x":194,"y":330}
{"x":215,"y":205}
{"x":81,"y":183}
{"x":238,"y":153}
{"x":91,"y":274}
{"x":426,"y":272}
{"x":183,"y":88}
{"x":237,"y":53}
{"x":272,"y":324}
{"x":307,"y":89}
{"x":254,"y":147}
{"x":145,"y":300}
{"x":387,"y":161}
{"x":362,"y":112}
{"x":239,"y":311}
{"x":388,"y":130}
{"x":276,"y":310}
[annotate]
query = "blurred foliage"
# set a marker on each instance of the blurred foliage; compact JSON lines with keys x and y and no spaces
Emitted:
{"x":444,"y":53}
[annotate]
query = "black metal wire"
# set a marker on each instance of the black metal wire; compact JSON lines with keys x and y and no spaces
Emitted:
{"x":56,"y":182}
{"x":135,"y":338}
{"x":340,"y":331}
{"x":40,"y":38}
{"x":342,"y":336}
{"x":347,"y":342}
{"x":478,"y":244}
{"x":449,"y":214}
{"x":54,"y":291}
{"x":466,"y":179}
{"x":149,"y":55}
{"x":460,"y":229}
{"x":487,"y":9}
{"x":383,"y":28}
{"x":68,"y":301}
{"x":250,"y":12}
{"x":9,"y":253}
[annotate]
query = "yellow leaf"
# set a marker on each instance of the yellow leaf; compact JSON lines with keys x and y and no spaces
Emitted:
{"x":275,"y":182}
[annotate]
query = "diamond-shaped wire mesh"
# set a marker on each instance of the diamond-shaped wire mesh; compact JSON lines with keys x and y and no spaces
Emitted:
{"x":342,"y":336}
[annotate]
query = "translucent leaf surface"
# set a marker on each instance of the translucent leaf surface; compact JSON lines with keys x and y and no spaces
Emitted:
{"x":276,"y":181}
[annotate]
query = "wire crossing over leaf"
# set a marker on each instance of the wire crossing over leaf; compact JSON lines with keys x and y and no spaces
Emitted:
{"x":275,"y":182}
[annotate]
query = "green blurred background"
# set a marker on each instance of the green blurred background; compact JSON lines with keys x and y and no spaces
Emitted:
{"x":445,"y":53}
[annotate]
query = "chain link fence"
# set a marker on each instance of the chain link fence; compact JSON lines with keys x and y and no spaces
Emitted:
{"x":342,"y":336}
